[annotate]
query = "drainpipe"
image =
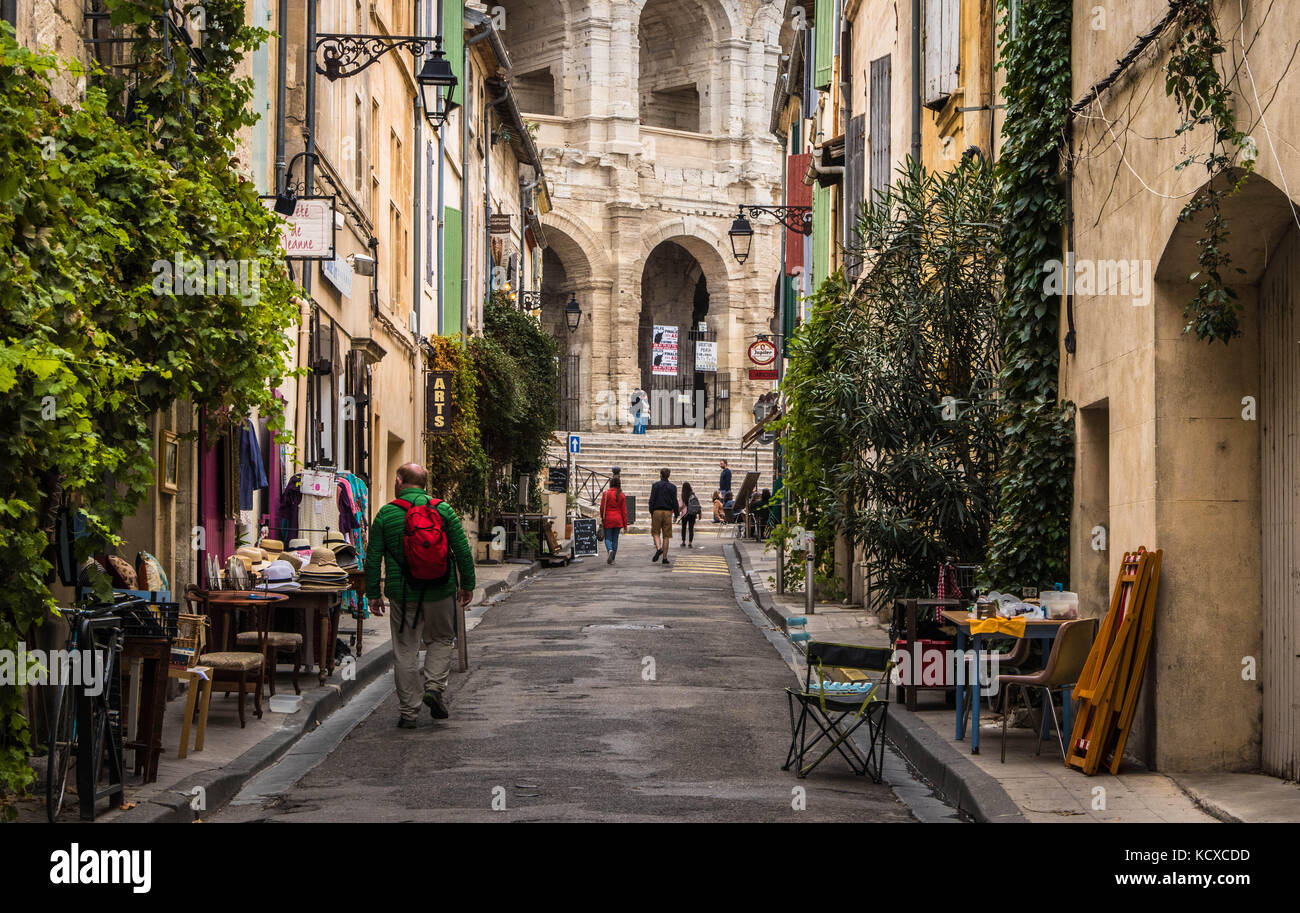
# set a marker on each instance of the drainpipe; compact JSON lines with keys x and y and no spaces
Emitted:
{"x":916,"y":79}
{"x":282,"y":75}
{"x":416,"y":115}
{"x":309,"y":167}
{"x":442,"y":203}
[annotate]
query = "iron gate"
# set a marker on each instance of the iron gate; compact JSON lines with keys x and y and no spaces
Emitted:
{"x":570,"y":414}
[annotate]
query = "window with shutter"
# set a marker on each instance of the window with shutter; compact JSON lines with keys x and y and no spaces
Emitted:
{"x":453,"y":44}
{"x":824,"y":31}
{"x":854,"y":149}
{"x":942,"y":50}
{"x":881,"y":162}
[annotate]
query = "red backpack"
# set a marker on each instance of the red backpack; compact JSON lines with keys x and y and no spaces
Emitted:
{"x":424,"y":542}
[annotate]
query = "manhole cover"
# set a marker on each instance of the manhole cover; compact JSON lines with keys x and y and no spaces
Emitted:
{"x":625,"y":627}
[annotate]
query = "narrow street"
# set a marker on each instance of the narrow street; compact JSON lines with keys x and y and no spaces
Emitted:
{"x":631,"y":693}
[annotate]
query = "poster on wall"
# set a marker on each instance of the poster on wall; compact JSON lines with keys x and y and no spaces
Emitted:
{"x":664,"y":350}
{"x":706,"y":356}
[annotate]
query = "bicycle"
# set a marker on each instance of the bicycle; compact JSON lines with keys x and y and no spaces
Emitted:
{"x":83,"y":722}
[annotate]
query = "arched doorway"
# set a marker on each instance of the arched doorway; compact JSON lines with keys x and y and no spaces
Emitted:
{"x":677,"y":342}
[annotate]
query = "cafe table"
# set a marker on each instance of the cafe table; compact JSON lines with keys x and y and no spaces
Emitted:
{"x":224,"y":603}
{"x":1035,"y":629}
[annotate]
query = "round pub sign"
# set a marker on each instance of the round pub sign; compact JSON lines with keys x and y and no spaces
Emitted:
{"x":762,"y":352}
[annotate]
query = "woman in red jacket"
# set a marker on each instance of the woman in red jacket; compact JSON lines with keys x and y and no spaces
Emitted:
{"x":613,"y":516}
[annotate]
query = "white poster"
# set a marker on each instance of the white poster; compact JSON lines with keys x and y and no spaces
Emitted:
{"x":706,"y":356}
{"x":663,"y":347}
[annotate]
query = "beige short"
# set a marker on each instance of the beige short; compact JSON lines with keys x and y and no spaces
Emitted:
{"x":661,"y":523}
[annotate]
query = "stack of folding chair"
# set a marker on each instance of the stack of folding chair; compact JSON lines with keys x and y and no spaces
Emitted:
{"x":839,"y":708}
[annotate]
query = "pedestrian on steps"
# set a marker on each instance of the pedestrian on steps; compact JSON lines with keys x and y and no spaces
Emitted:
{"x":663,"y":512}
{"x":428,"y":572}
{"x":690,"y":512}
{"x":613,"y":515}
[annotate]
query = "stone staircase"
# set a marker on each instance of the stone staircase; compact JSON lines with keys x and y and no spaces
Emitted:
{"x":691,"y":456}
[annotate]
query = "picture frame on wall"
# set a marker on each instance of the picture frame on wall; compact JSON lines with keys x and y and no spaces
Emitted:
{"x":169,"y":462}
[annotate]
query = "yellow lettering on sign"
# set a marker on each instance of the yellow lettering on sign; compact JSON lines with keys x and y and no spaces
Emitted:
{"x":439,"y":421}
{"x":439,"y":396}
{"x":439,"y":383}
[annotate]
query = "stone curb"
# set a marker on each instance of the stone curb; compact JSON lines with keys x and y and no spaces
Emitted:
{"x":173,"y":805}
{"x":953,"y":776}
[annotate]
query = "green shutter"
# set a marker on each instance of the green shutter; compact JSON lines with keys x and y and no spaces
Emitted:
{"x":824,"y":25}
{"x":453,"y":43}
{"x":791,"y":311}
{"x":821,"y":236}
{"x":451,"y":273}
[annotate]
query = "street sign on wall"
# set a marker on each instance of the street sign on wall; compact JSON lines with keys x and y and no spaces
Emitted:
{"x":762,"y":353}
{"x":439,"y":408}
{"x":309,"y":234}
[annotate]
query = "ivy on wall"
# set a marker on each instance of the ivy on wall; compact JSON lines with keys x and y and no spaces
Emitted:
{"x":1029,"y":542}
{"x":1193,"y":80}
{"x":93,"y":196}
{"x":457,"y":464}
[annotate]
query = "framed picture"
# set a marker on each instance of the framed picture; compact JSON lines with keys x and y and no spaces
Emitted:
{"x":169,"y":462}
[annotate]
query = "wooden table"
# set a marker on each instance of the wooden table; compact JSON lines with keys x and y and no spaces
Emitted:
{"x":324,"y":604}
{"x":145,"y":659}
{"x":1037,"y":629}
{"x":907,"y":693}
{"x":227,"y":602}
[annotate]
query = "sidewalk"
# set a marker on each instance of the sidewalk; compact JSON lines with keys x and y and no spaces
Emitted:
{"x":231,"y":756}
{"x":1026,"y":788}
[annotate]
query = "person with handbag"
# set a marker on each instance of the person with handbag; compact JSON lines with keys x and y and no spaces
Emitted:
{"x":613,"y":516}
{"x":691,"y":510}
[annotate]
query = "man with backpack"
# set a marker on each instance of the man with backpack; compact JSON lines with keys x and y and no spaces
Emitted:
{"x":429,"y":573}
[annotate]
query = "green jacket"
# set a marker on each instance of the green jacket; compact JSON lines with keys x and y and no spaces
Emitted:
{"x":385,"y":545}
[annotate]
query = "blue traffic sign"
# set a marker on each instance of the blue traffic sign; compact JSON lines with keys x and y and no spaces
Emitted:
{"x":575,"y":444}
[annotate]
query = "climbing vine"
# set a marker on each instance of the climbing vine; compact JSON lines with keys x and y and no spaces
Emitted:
{"x":1193,"y":80}
{"x":457,"y":463}
{"x":1029,"y":542}
{"x":94,"y":195}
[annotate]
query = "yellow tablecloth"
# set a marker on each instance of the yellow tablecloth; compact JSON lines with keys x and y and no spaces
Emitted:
{"x":1012,"y":627}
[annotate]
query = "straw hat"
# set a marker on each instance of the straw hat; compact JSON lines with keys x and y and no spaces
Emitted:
{"x":272,"y":546}
{"x":257,"y":558}
{"x":293,"y":559}
{"x":322,"y":562}
{"x":278,"y":577}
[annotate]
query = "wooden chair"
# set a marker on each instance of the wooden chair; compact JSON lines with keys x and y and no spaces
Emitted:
{"x":240,"y":671}
{"x":277,"y":642}
{"x":191,"y":637}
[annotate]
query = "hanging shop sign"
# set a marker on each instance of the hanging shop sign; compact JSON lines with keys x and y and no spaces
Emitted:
{"x":338,"y":274}
{"x":706,"y":356}
{"x":762,"y":374}
{"x":501,"y":223}
{"x":438,"y":405}
{"x":309,"y":234}
{"x":664,"y":351}
{"x":762,"y":353}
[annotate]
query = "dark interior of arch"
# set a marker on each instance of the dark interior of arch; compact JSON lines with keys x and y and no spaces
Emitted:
{"x":675,"y":293}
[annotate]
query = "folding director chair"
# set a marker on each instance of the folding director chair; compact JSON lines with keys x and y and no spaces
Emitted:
{"x":828,"y":703}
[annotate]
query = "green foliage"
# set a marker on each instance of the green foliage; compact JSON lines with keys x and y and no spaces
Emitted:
{"x":1193,"y":79}
{"x":1029,"y":542}
{"x":533,"y":352}
{"x":890,"y":389}
{"x":457,"y":464}
{"x":91,"y":198}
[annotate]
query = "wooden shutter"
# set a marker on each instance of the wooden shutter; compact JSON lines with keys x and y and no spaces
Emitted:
{"x":824,"y":30}
{"x":882,"y":90}
{"x":453,"y":44}
{"x":797,"y":194}
{"x":854,"y":165}
{"x":942,"y":51}
{"x":821,"y":236}
{"x":451,"y":273}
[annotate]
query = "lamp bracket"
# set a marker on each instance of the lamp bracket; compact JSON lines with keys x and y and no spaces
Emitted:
{"x":348,"y":55}
{"x":795,"y":218}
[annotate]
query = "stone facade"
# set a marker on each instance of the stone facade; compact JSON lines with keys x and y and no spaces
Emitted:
{"x":653,"y":122}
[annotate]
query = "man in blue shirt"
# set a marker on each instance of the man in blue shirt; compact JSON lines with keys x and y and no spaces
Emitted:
{"x":724,"y":481}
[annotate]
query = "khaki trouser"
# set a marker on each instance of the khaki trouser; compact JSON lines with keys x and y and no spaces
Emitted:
{"x":436,"y":633}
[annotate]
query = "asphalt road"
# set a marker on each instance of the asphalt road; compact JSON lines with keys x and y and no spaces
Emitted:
{"x":595,"y":693}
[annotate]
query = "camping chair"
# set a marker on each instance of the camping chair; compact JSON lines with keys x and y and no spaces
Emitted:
{"x":828,"y":708}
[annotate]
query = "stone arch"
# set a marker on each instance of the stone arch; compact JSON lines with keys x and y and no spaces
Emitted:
{"x":707,"y":245}
{"x":682,"y":84}
{"x":583,"y":253}
{"x":538,"y":36}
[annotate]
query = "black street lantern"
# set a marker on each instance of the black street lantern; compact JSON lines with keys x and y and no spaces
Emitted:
{"x":572,"y":313}
{"x":795,"y":218}
{"x":437,"y":82}
{"x":742,"y":236}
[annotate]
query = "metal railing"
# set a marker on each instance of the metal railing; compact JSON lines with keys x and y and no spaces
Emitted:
{"x":589,"y":483}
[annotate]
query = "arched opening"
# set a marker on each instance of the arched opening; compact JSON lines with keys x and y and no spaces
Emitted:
{"x":677,"y":342}
{"x":675,"y":65}
{"x":535,"y":35}
{"x":1228,"y":458}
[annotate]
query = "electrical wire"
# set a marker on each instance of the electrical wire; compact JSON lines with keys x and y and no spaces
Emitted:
{"x":1281,"y":169}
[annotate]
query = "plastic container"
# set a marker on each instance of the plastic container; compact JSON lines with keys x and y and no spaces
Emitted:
{"x":1058,"y":604}
{"x":285,"y":703}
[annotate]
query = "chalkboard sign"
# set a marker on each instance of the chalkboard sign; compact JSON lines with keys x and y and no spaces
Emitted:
{"x":557,"y":479}
{"x":584,"y":536}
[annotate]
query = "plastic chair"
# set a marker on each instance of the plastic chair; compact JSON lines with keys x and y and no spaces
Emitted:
{"x":1069,"y":653}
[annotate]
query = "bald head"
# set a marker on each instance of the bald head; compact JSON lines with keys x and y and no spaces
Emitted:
{"x":413,"y":474}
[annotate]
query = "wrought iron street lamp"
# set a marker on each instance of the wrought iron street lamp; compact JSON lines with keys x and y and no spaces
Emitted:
{"x":572,"y":313}
{"x":348,"y":55}
{"x":795,"y":218}
{"x":286,"y":201}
